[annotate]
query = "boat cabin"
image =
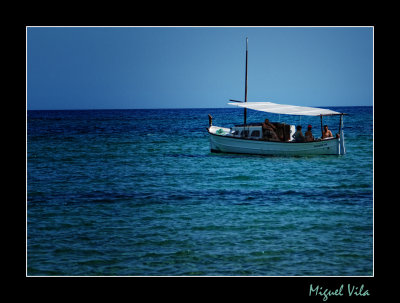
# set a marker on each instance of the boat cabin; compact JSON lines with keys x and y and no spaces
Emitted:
{"x":254,"y":131}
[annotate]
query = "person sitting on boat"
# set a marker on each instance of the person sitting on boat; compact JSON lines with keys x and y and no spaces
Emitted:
{"x":269,"y":130}
{"x":308,"y":134}
{"x":326,"y":133}
{"x":298,"y":135}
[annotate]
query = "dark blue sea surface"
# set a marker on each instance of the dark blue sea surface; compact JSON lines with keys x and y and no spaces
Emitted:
{"x":138,"y":193}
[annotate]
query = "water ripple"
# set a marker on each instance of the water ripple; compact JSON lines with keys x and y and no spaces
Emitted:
{"x":135,"y":193}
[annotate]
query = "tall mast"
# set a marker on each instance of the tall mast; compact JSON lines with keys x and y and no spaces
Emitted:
{"x":245,"y":87}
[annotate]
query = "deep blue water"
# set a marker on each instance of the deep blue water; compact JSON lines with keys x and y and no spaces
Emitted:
{"x":137,"y":192}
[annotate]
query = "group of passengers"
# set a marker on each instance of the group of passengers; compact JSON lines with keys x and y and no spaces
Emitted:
{"x":269,"y":131}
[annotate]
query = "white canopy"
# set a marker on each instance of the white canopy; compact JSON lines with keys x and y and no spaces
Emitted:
{"x":275,"y":108}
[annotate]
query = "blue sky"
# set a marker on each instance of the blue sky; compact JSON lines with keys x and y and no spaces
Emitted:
{"x":197,"y":67}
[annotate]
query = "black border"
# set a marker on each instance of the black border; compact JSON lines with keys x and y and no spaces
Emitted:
{"x":210,"y":288}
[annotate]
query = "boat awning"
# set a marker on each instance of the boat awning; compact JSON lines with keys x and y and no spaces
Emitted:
{"x":275,"y":108}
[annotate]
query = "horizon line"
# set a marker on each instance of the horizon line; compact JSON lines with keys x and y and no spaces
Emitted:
{"x":177,"y":108}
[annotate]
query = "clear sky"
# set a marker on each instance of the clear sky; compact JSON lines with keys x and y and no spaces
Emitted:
{"x":197,"y":67}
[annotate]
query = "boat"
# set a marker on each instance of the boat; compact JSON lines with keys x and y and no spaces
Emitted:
{"x":248,"y":138}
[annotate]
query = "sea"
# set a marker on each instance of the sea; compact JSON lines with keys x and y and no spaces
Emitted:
{"x":138,"y":193}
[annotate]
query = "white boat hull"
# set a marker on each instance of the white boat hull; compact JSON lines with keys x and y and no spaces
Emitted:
{"x":229,"y":144}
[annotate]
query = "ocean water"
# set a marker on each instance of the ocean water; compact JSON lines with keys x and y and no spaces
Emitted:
{"x":138,"y":193}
